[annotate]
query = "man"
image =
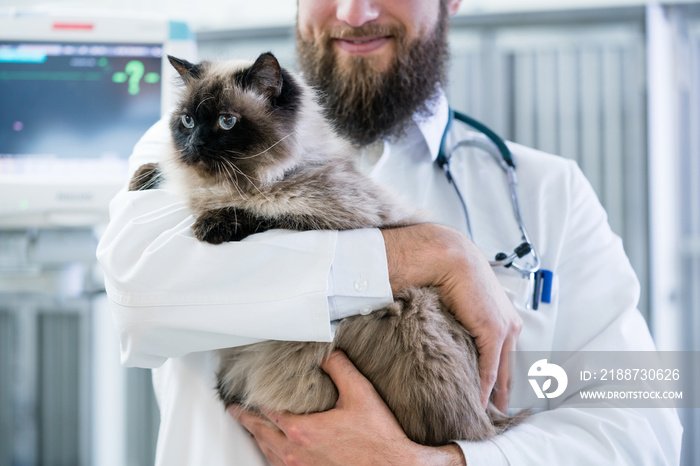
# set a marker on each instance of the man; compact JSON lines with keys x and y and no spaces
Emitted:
{"x":380,"y":64}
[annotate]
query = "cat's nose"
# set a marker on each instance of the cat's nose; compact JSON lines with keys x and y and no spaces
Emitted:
{"x":196,"y":142}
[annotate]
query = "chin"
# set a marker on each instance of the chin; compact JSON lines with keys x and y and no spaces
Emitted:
{"x":379,"y":61}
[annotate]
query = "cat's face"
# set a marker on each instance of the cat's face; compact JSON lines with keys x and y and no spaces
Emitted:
{"x":235,"y":121}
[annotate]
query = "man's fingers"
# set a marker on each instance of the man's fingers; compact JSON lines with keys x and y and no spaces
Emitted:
{"x":271,"y":456}
{"x":290,"y":425}
{"x":266,"y":435}
{"x":502,"y":394}
{"x":347,"y":379}
{"x":489,"y":357}
{"x":344,"y":375}
{"x":244,"y":417}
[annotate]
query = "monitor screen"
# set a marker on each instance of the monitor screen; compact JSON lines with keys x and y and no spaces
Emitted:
{"x":71,"y":110}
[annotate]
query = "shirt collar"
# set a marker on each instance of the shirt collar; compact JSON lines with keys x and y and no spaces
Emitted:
{"x":433,"y":126}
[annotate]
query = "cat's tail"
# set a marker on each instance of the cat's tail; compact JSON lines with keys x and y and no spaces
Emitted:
{"x":502,"y":422}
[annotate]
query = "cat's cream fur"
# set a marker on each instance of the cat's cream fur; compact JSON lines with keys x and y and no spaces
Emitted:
{"x":420,"y":359}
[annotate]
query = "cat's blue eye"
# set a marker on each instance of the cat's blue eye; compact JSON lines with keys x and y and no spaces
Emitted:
{"x":187,"y":121}
{"x":226,"y":121}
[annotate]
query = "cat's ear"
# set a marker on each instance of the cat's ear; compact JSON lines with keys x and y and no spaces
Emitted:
{"x":266,"y":76}
{"x":187,"y":70}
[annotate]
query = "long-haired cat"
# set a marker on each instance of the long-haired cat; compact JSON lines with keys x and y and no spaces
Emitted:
{"x":251,"y":152}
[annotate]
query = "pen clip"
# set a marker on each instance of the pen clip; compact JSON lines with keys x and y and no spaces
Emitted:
{"x":536,"y":291}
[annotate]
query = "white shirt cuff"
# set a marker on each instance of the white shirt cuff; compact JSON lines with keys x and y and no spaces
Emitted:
{"x":358,"y":281}
{"x":486,"y":453}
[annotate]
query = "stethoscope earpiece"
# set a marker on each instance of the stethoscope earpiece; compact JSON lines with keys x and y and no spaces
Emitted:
{"x":507,"y":260}
{"x":523,"y":250}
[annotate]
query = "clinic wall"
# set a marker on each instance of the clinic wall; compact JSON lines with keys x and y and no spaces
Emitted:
{"x":226,"y":14}
{"x":674,"y":119}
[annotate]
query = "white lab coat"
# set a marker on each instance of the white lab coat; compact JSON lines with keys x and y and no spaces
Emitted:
{"x":175,"y":299}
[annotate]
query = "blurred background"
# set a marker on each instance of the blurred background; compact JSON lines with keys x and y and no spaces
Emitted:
{"x":614,"y":85}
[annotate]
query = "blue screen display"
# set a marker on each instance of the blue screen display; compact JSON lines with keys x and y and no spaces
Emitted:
{"x":76,"y":101}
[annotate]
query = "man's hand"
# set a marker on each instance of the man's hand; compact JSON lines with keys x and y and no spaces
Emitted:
{"x":435,"y":255}
{"x":359,"y":430}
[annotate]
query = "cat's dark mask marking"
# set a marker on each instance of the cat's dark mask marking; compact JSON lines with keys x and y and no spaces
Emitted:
{"x":260,"y":124}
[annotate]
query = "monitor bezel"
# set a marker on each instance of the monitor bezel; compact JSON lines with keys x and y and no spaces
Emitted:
{"x":44,"y":201}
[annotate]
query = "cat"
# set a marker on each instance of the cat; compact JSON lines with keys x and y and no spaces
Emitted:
{"x":252,"y":151}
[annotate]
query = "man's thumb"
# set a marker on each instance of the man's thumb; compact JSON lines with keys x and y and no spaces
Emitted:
{"x":347,"y":379}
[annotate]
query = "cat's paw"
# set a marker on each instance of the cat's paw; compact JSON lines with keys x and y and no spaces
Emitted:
{"x":219,"y":226}
{"x":147,"y":176}
{"x":211,"y":230}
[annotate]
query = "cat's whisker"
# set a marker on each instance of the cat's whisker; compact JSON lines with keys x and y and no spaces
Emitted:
{"x":234,"y":181}
{"x":221,"y":180}
{"x":237,"y":170}
{"x":148,"y":178}
{"x":152,"y":182}
{"x":227,"y":178}
{"x":252,"y":183}
{"x":203,"y":100}
{"x":266,"y":150}
{"x":224,"y":179}
{"x":233,"y":177}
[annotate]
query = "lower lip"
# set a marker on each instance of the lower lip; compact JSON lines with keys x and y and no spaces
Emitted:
{"x":363,"y":47}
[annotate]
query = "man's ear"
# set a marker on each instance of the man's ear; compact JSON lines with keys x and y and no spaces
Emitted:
{"x":453,"y":6}
{"x":188,"y":71}
{"x":265,"y":76}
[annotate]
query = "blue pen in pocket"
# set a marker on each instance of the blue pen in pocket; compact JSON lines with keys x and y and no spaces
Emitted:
{"x":543,"y":288}
{"x":547,"y":278}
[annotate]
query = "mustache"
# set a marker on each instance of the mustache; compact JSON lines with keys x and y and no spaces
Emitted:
{"x":366,"y":30}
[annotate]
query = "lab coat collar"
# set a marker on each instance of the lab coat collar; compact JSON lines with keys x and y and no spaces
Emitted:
{"x":433,"y":126}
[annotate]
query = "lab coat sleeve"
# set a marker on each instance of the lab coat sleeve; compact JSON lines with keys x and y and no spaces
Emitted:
{"x":598,"y":293}
{"x":354,"y":284}
{"x":171,"y":294}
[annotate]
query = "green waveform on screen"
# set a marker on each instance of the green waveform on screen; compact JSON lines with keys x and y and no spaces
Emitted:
{"x":134,"y":74}
{"x":50,"y":76}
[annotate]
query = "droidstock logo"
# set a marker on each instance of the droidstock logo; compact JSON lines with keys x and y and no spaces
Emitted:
{"x":543,"y":369}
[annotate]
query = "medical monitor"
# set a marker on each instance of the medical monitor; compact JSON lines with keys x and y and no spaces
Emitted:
{"x":77,"y":91}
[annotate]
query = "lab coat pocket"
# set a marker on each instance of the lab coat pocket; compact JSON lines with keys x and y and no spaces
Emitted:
{"x":518,"y":289}
{"x":538,"y":325}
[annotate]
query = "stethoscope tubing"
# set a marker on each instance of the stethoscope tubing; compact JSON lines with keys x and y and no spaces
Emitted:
{"x":505,"y":160}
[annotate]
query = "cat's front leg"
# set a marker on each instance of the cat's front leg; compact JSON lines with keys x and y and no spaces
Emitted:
{"x":147,"y":176}
{"x":227,"y":224}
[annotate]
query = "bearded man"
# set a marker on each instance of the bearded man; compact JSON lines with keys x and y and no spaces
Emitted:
{"x":380,"y":65}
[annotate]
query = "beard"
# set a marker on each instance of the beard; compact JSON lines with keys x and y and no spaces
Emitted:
{"x":364,"y":103}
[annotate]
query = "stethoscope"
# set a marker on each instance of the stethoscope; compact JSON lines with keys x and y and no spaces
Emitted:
{"x":530,"y":268}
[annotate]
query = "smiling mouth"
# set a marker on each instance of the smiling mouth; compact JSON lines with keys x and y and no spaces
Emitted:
{"x":360,"y":45}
